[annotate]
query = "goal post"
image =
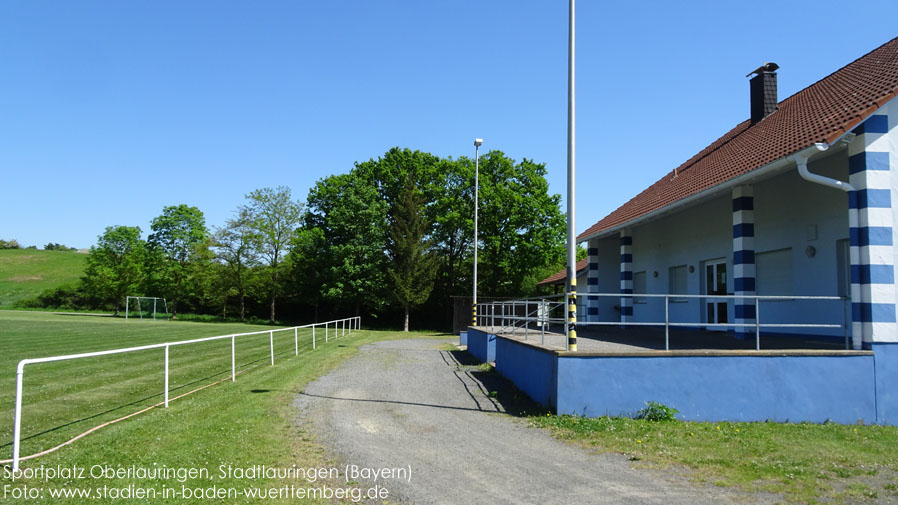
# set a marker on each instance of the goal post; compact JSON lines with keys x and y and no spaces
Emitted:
{"x":146,"y":307}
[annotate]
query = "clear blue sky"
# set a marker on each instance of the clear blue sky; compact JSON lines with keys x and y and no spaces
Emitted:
{"x":111,"y":110}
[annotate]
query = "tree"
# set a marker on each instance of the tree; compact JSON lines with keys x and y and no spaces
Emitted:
{"x":178,"y":235}
{"x":237,"y":246}
{"x":115,"y":265}
{"x":452,"y":215}
{"x":521,"y":226}
{"x":309,"y":266}
{"x":350,"y":213}
{"x":412,"y":265}
{"x":275,"y":218}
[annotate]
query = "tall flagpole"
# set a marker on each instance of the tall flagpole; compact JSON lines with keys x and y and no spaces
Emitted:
{"x":571,"y":162}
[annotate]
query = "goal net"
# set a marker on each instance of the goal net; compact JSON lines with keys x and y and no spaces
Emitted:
{"x":146,"y":308}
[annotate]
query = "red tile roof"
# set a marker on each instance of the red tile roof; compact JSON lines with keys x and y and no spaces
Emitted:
{"x":822,"y":112}
{"x":559,"y":277}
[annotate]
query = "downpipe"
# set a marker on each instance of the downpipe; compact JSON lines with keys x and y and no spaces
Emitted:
{"x":801,"y":160}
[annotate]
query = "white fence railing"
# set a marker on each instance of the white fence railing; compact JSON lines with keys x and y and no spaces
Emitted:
{"x":339,"y":327}
{"x":513,"y":315}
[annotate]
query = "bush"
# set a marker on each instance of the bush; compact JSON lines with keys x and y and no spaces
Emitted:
{"x":52,"y":246}
{"x":9,"y":244}
{"x":64,"y":297}
{"x":655,"y":411}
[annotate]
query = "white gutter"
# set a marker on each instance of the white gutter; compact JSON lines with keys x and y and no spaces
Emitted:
{"x":801,"y":160}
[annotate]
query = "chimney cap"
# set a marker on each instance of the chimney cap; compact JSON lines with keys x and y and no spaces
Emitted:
{"x":766,"y":67}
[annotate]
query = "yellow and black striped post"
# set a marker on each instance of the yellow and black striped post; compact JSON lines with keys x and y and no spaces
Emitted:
{"x":572,"y":315}
{"x":474,"y":316}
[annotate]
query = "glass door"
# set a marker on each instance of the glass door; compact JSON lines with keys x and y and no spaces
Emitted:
{"x":716,"y":284}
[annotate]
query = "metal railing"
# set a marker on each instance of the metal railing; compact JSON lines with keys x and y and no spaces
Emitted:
{"x":338,"y":327}
{"x":511,"y":318}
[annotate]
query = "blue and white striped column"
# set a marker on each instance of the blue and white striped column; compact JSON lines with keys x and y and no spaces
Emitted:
{"x":626,"y":275}
{"x":871,"y":252}
{"x":592,"y":280}
{"x":744,"y":259}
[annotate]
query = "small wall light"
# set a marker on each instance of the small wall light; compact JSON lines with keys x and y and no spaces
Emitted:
{"x":691,"y":269}
{"x":655,"y":273}
{"x":810,"y":251}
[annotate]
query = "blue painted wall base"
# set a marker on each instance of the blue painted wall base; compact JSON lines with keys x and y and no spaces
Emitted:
{"x":481,"y":345}
{"x":531,"y":368}
{"x":843,"y":387}
{"x":722,"y":388}
{"x":885,"y":360}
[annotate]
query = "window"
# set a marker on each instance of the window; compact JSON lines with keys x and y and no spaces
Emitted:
{"x":773,"y":272}
{"x":844,"y":267}
{"x":639,"y":287}
{"x":676,"y":282}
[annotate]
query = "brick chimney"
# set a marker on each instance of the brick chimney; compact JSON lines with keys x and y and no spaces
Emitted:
{"x":763,"y":91}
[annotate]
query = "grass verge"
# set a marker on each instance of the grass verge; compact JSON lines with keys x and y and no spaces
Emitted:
{"x":244,"y":424}
{"x":805,"y":463}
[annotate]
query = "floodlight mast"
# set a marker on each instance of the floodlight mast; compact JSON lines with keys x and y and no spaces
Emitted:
{"x":477,"y":144}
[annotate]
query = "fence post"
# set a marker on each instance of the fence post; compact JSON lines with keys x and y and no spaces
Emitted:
{"x":271,"y":345}
{"x":166,"y":376}
{"x":233,"y":361}
{"x":296,"y":340}
{"x":543,"y":320}
{"x":526,"y":319}
{"x":313,"y":337}
{"x":666,"y":323}
{"x":757,"y":325}
{"x":325,"y":331}
{"x":17,"y":430}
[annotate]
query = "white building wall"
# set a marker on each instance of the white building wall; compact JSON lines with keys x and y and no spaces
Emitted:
{"x":789,"y":213}
{"x":689,"y":238}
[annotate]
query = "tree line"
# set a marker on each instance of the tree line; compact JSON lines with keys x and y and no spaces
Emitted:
{"x":390,"y":239}
{"x":52,"y":246}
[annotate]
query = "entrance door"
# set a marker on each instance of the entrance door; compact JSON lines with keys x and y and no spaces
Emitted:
{"x":716,"y":284}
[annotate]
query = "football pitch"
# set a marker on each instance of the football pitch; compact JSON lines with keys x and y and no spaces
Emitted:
{"x":244,"y":423}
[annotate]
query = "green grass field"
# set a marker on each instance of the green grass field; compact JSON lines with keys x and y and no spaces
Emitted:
{"x":25,"y":273}
{"x":248,"y":422}
{"x":806,"y":463}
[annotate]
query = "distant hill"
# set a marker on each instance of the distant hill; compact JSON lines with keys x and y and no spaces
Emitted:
{"x":25,"y":273}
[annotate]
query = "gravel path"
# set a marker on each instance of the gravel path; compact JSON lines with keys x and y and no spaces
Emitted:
{"x":408,"y":404}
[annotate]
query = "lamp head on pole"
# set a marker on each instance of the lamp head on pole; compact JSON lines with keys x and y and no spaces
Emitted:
{"x":478,"y":142}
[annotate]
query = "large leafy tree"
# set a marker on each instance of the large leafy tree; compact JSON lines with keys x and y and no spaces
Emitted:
{"x":115,"y":265}
{"x":237,"y":249}
{"x":275,"y":217}
{"x":353,"y":218}
{"x":178,"y":238}
{"x":521,"y":226}
{"x":412,"y":266}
